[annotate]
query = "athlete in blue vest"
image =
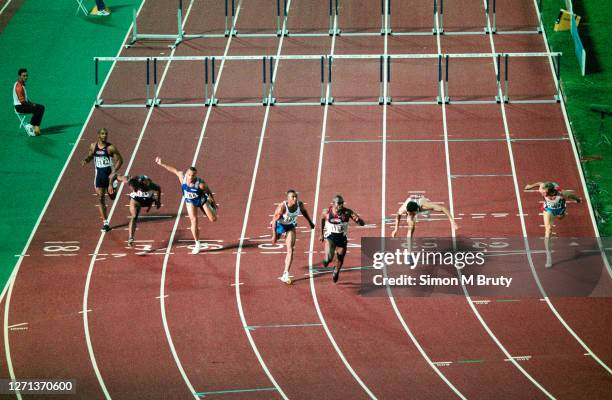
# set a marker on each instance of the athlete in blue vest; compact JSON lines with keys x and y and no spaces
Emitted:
{"x":107,"y":161}
{"x":197,"y":195}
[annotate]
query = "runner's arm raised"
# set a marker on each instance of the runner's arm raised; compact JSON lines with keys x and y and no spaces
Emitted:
{"x":169,"y":168}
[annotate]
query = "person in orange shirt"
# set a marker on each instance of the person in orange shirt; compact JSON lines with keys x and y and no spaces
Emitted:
{"x":23,"y":105}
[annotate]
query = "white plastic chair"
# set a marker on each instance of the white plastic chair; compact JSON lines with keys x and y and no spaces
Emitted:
{"x":22,"y":118}
{"x":81,"y":7}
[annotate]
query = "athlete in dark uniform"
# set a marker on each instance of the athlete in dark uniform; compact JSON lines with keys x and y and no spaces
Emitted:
{"x":334,"y":230}
{"x":107,"y":161}
{"x":144,"y":193}
{"x":197,"y":195}
{"x":554,"y":206}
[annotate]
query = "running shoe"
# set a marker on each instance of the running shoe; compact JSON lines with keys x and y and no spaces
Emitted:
{"x":336,"y":275}
{"x":103,"y":13}
{"x":285,"y":278}
{"x":30,"y":130}
{"x":105,"y":228}
{"x":196,"y":248}
{"x":131,"y":242}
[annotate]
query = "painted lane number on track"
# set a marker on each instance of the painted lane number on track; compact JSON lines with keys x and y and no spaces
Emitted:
{"x":209,"y":245}
{"x":61,"y":248}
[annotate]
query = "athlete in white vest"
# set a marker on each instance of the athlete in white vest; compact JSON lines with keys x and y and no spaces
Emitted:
{"x":284,"y":222}
{"x":417,"y":204}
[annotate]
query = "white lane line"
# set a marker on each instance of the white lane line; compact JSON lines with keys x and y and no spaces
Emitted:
{"x":5,"y":6}
{"x":246,"y":218}
{"x":454,"y":236}
{"x":517,"y":190}
{"x":312,"y":235}
{"x":8,"y":287}
{"x":110,"y":215}
{"x":162,"y":284}
{"x":573,"y":142}
{"x":418,"y":345}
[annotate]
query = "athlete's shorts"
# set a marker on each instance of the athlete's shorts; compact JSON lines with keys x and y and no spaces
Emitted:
{"x":198,"y":202}
{"x":338,"y":239}
{"x":557,"y":212}
{"x":103,"y":177}
{"x":282,"y":228}
{"x":144,"y":201}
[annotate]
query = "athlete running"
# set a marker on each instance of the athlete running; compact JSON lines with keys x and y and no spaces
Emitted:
{"x":284,"y":222}
{"x":107,"y":161}
{"x":554,"y":206}
{"x":197,"y":195}
{"x":144,"y":193}
{"x":334,"y":231}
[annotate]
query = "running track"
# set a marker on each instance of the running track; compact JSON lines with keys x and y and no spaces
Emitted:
{"x":313,"y":339}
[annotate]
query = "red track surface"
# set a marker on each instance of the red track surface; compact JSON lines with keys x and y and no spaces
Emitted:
{"x":128,"y":338}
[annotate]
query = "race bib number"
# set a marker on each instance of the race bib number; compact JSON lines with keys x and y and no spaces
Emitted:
{"x":103,"y":162}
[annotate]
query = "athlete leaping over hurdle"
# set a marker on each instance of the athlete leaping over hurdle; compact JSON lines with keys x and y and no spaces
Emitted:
{"x":554,"y":206}
{"x":197,"y":195}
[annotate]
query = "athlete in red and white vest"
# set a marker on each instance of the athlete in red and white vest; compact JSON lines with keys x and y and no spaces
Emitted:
{"x":417,"y":204}
{"x":284,"y":222}
{"x":553,"y":206}
{"x":334,"y":231}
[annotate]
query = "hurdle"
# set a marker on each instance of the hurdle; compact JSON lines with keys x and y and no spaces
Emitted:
{"x":281,"y":29}
{"x":444,"y":75}
{"x":385,"y":97}
{"x":178,"y":37}
{"x":230,"y":30}
{"x":333,"y":15}
{"x":491,"y":15}
{"x":385,"y":15}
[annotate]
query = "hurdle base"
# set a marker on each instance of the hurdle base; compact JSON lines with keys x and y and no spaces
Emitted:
{"x":152,"y":102}
{"x":384,"y":31}
{"x":233,"y":32}
{"x":282,"y":32}
{"x":334,"y":32}
{"x":384,"y":100}
{"x":211,"y":102}
{"x":446,"y":100}
{"x":269,"y":101}
{"x":490,"y":31}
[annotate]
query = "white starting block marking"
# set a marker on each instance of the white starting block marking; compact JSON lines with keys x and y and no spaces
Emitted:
{"x":19,"y":327}
{"x":442,"y":363}
{"x":518,"y":358}
{"x":270,"y":246}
